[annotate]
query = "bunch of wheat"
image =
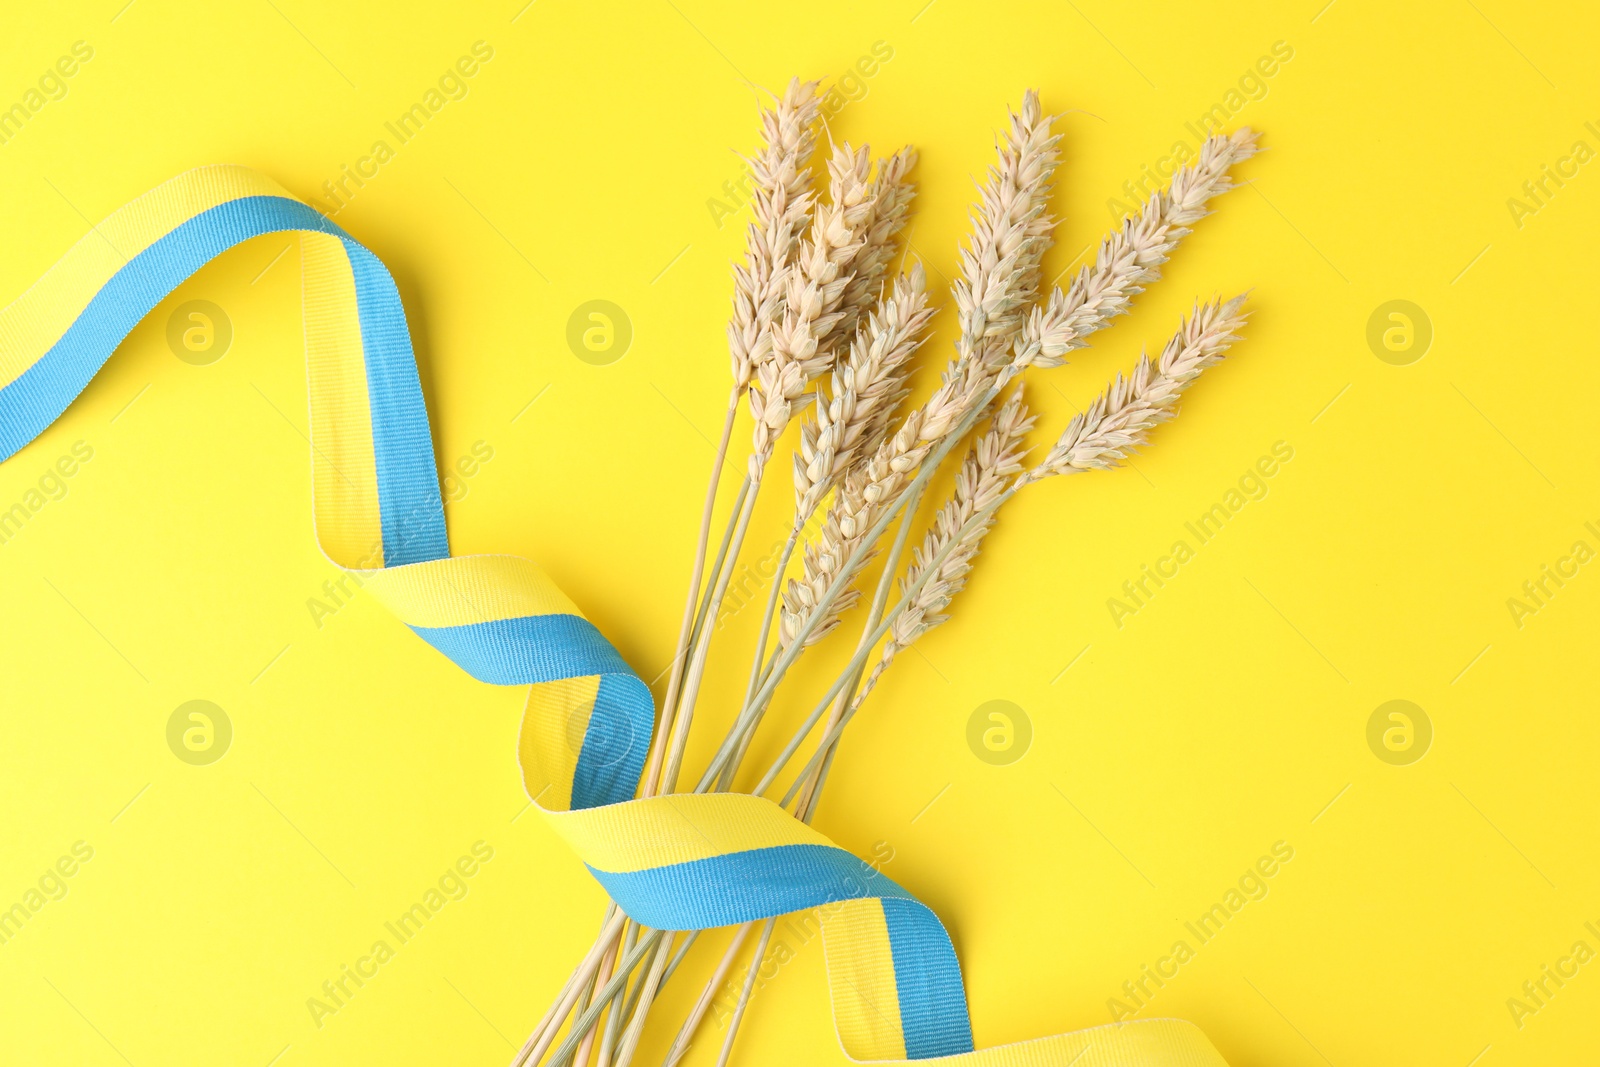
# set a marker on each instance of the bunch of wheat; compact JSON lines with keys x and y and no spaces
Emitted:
{"x":820,"y":330}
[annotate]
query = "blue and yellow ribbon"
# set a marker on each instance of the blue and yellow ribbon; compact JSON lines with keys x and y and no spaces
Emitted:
{"x":676,"y":862}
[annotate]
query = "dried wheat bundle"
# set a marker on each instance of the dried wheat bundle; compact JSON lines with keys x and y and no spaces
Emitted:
{"x":818,"y":321}
{"x":1128,"y":260}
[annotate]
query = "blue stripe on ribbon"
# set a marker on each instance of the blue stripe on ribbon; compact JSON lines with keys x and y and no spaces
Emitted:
{"x":743,"y":886}
{"x":530,"y":649}
{"x":933,"y":1002}
{"x":410,"y":508}
{"x":615,"y":743}
{"x":547,"y":648}
{"x":42,"y":392}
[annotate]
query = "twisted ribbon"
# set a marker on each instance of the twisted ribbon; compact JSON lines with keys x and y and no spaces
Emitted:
{"x":676,"y":862}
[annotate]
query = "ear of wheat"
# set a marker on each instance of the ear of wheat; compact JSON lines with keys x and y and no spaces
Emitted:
{"x":867,"y":389}
{"x":782,"y":199}
{"x":1121,"y":418}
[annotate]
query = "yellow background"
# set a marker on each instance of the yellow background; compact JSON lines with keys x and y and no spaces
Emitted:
{"x":1224,"y":716}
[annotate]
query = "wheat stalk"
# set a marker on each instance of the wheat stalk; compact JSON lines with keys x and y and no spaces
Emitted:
{"x":867,"y":388}
{"x":886,"y":207}
{"x":815,"y":289}
{"x":1121,"y":418}
{"x":813,"y":295}
{"x":1011,"y":233}
{"x":959,"y":527}
{"x":890,"y":199}
{"x":1130,"y":256}
{"x":837,"y":278}
{"x":782,"y":203}
{"x":985,"y":474}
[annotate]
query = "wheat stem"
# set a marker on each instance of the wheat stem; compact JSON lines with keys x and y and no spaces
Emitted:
{"x":547,"y":1029}
{"x":564,"y":1052}
{"x":691,"y":686}
{"x":880,"y":597}
{"x":784,"y":657}
{"x":746,"y":991}
{"x":646,"y":995}
{"x":613,"y":1027}
{"x":860,"y":657}
{"x":725,"y":780}
{"x":696,"y":573}
{"x":686,"y":1034}
{"x":602,"y":976}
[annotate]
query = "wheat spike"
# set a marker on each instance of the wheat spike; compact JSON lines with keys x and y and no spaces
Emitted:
{"x":1130,"y":257}
{"x":1121,"y":418}
{"x":890,"y":202}
{"x":989,"y":465}
{"x":783,"y":199}
{"x":867,"y":388}
{"x":814,"y":292}
{"x":1011,"y":232}
{"x":1118,"y":422}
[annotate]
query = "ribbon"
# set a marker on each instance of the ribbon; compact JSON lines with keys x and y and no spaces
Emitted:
{"x":675,"y":862}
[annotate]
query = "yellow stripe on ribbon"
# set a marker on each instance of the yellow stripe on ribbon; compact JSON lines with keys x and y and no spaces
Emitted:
{"x":343,"y":467}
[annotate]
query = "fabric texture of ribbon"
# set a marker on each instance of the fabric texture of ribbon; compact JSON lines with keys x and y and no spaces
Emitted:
{"x":675,"y":862}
